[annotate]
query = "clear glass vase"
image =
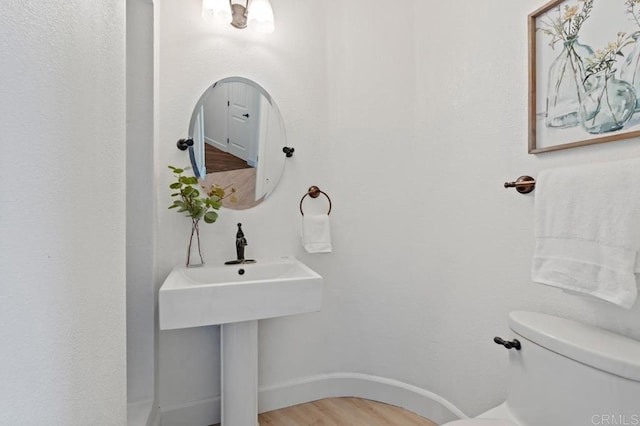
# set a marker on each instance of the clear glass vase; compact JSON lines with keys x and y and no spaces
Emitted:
{"x":608,"y":103}
{"x":566,"y":87}
{"x":193,"y":248}
{"x":630,"y":71}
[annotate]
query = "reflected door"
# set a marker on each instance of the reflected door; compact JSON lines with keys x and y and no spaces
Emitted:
{"x":216,"y":118}
{"x":243,"y":121}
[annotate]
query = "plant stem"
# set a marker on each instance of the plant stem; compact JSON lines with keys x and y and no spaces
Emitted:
{"x":604,"y":91}
{"x":559,"y":83}
{"x":572,"y":54}
{"x":613,"y":114}
{"x":189,"y":246}
{"x":197,"y":228}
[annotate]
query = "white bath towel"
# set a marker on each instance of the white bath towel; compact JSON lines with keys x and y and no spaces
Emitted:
{"x":587,"y":229}
{"x":316,"y":233}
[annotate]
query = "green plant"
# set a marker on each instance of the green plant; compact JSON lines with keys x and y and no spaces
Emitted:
{"x":187,"y":199}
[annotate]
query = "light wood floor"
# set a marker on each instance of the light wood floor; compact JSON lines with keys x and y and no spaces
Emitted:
{"x":342,"y":412}
{"x":244,"y":182}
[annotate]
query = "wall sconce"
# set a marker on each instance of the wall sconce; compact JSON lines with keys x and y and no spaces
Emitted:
{"x":257,"y":14}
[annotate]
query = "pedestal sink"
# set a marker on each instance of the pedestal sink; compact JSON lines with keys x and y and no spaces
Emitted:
{"x":236,"y":297}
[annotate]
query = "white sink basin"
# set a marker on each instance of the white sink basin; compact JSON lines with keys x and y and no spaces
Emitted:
{"x":222,"y":294}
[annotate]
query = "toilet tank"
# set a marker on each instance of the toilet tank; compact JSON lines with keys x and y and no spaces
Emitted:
{"x":571,"y":374}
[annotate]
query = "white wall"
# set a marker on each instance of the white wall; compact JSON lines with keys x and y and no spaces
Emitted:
{"x":62,"y":215}
{"x":427,"y":120}
{"x":393,"y":113}
{"x":140,"y":203}
{"x":290,"y":65}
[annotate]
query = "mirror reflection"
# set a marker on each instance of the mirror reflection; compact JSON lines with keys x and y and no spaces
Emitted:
{"x":238,"y":137}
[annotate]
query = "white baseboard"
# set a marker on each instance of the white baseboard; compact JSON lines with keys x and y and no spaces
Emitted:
{"x":196,"y":413}
{"x":154,"y":417}
{"x":139,"y":413}
{"x":307,"y":389}
{"x":409,"y":397}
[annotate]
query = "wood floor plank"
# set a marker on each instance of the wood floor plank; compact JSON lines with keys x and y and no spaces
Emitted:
{"x":343,"y":412}
{"x":216,"y":160}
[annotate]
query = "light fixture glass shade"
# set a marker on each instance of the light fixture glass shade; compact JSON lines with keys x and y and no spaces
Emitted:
{"x":261,"y":16}
{"x":218,"y":10}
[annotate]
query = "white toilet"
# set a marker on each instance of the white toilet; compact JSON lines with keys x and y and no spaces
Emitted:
{"x":566,"y":374}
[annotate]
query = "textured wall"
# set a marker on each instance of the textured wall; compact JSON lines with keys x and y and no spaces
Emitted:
{"x":290,"y":65}
{"x":140,"y":202}
{"x":62,"y":216}
{"x":430,"y":116}
{"x":392,"y":112}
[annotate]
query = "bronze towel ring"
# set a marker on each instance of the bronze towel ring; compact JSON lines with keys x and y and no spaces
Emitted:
{"x":314,"y":192}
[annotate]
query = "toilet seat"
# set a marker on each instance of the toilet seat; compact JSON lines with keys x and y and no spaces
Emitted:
{"x":481,"y":422}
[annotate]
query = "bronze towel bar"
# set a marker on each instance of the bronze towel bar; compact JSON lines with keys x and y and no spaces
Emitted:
{"x":524,"y":184}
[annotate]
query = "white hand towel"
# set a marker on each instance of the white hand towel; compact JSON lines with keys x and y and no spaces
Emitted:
{"x":587,"y":229}
{"x":316,"y":233}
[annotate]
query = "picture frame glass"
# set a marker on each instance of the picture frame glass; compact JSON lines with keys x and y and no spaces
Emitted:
{"x":584,"y":73}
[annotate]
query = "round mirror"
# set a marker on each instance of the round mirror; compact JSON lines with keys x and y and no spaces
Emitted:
{"x":238,"y":137}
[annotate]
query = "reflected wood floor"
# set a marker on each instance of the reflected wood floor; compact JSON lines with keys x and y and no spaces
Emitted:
{"x":219,"y":161}
{"x":343,"y":412}
{"x":244,"y":182}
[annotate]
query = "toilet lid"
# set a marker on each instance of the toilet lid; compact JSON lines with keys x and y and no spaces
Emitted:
{"x":481,"y":422}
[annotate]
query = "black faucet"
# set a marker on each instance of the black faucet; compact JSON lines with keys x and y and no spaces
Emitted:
{"x":241,"y":243}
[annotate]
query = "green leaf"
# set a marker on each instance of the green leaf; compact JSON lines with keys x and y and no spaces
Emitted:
{"x":191,"y":193}
{"x":210,"y":217}
{"x":198,"y":213}
{"x":190,"y":202}
{"x":188,"y":180}
{"x":214,"y":202}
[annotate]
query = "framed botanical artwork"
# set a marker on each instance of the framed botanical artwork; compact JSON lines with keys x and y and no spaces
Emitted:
{"x":584,"y":73}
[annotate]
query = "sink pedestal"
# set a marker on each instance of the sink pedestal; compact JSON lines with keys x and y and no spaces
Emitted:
{"x":236,"y":297}
{"x":239,"y":350}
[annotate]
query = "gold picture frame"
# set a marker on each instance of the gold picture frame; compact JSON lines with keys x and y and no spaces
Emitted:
{"x":581,"y":55}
